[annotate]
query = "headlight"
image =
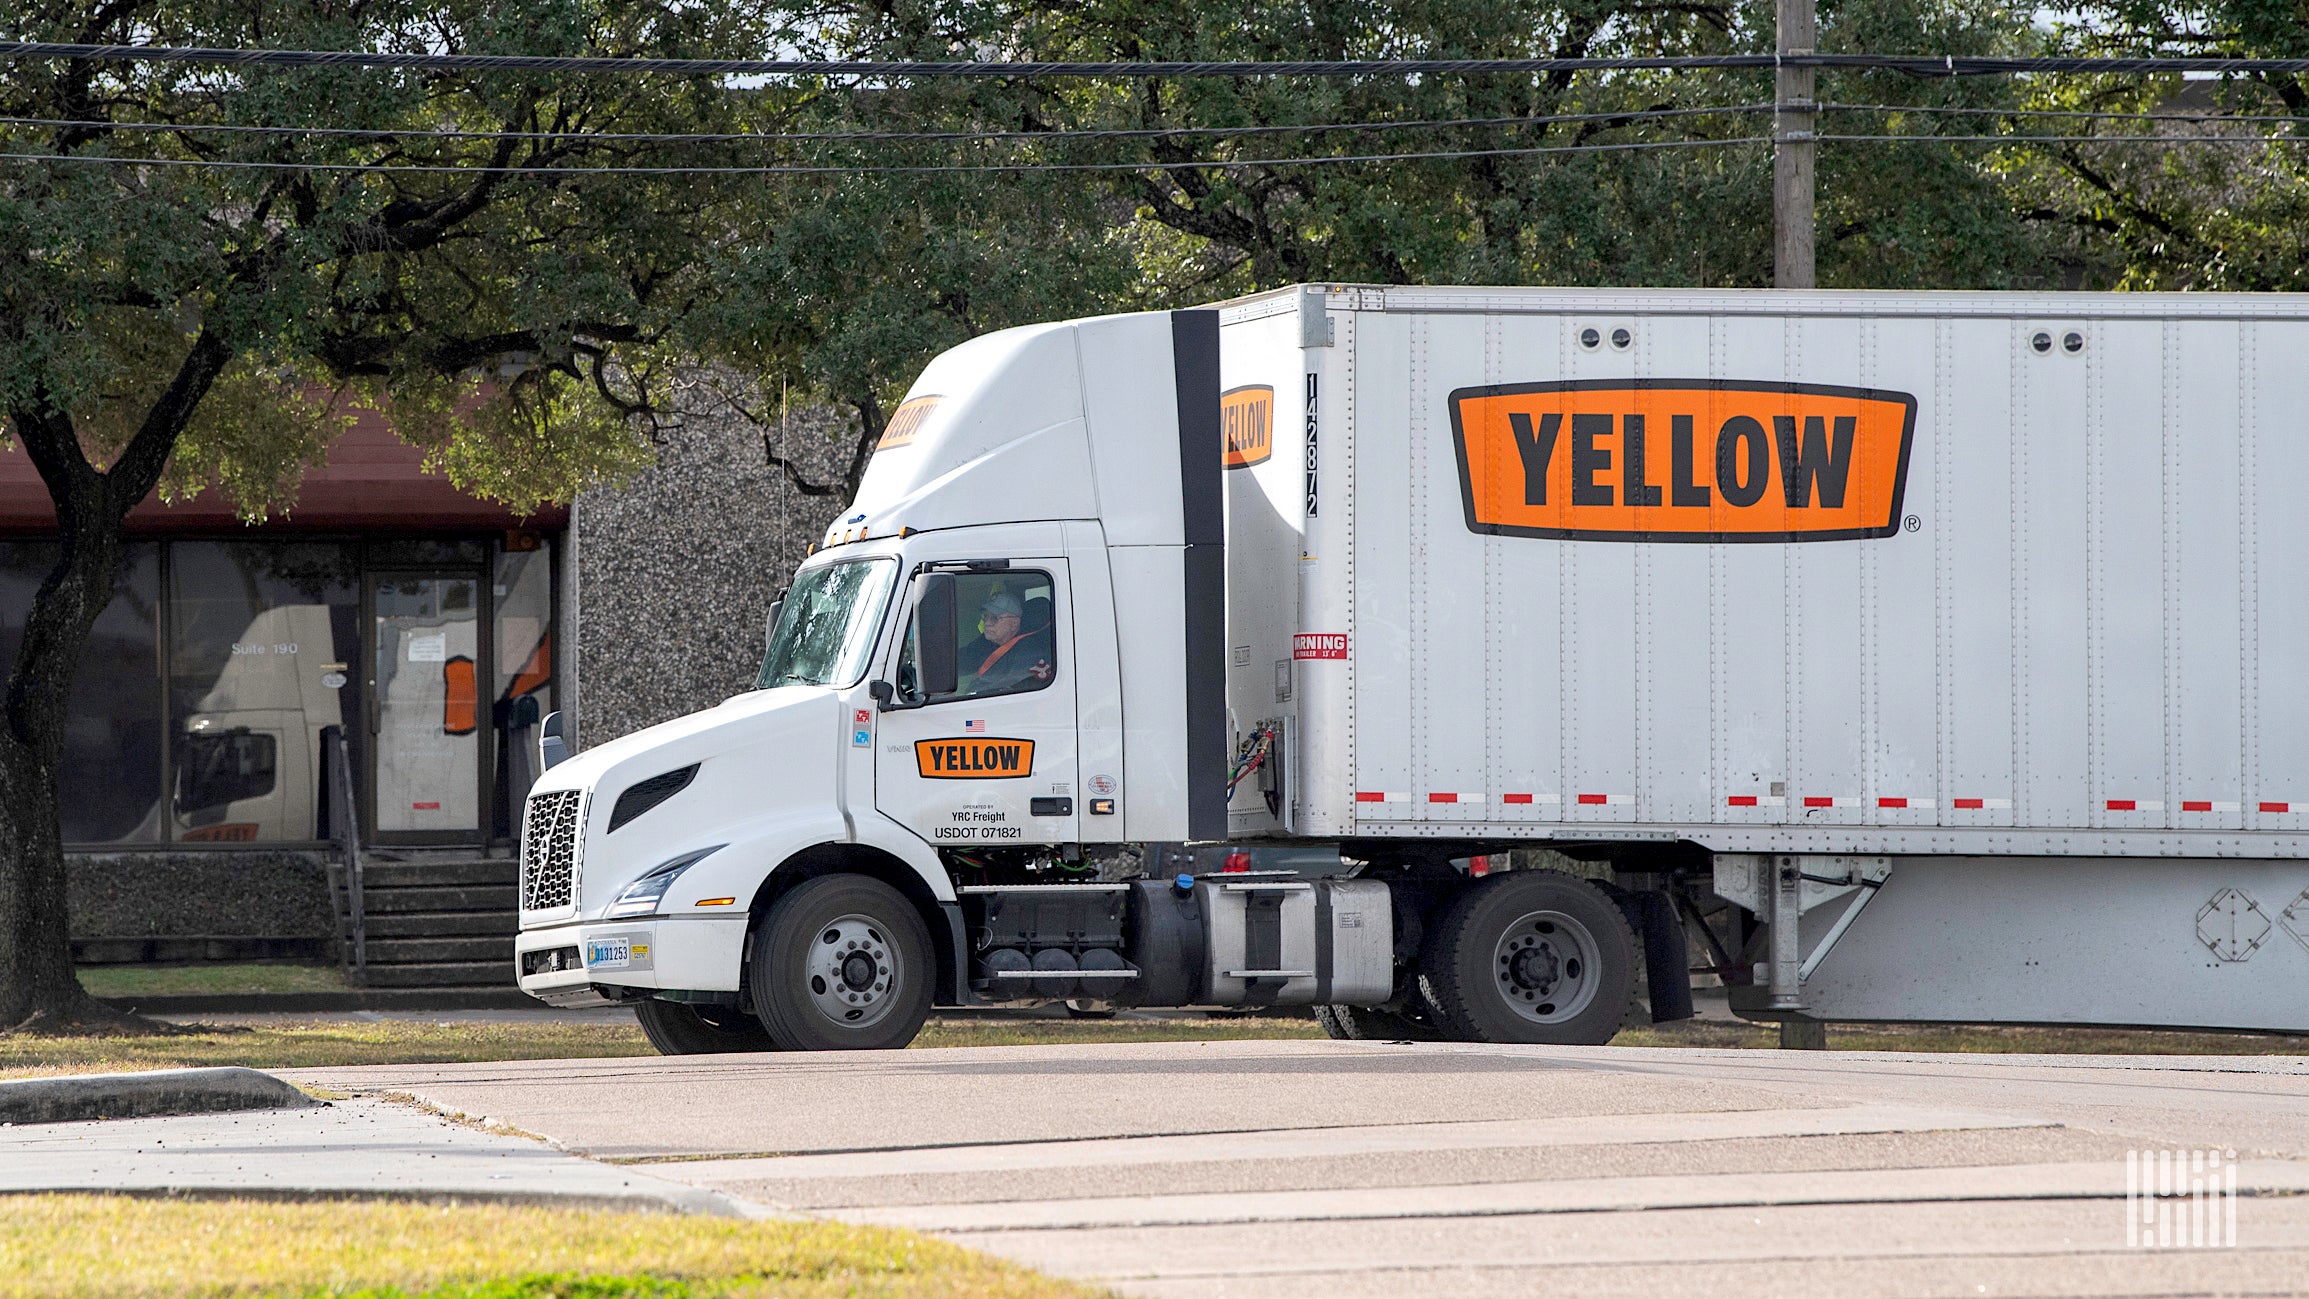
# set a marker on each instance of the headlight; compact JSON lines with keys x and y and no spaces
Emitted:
{"x":641,"y":897}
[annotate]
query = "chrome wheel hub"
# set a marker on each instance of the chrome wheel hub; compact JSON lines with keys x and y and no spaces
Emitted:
{"x":853,"y":971}
{"x":1545,"y":967}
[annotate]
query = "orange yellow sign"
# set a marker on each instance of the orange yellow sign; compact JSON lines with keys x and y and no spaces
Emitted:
{"x":906,"y":421}
{"x":973,"y":758}
{"x":1682,"y":460}
{"x":1247,"y":419}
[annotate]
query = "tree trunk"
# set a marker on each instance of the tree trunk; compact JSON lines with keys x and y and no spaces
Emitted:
{"x":38,"y":990}
{"x":37,"y":986}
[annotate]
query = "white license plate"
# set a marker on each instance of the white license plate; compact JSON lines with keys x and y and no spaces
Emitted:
{"x":608,"y":953}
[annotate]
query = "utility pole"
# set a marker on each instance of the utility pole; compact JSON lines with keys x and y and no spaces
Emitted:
{"x":1794,"y":116}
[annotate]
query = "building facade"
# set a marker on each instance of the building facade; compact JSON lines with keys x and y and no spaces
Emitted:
{"x":374,"y":664}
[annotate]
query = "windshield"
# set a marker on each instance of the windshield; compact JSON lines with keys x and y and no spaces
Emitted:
{"x":826,"y":629}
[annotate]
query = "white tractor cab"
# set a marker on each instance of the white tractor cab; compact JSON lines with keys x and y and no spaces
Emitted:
{"x":1010,"y":647}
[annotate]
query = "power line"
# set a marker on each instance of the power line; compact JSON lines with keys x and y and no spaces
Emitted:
{"x":1228,"y":164}
{"x":2065,"y":139}
{"x":799,"y":170}
{"x":1920,"y":65}
{"x":879,"y":137}
{"x":2094,"y":113}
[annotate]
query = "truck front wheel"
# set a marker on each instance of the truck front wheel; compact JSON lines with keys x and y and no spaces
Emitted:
{"x":678,"y":1028}
{"x":842,"y":963}
{"x":1531,"y":956}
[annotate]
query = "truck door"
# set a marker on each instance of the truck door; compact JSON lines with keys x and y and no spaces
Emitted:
{"x":977,"y":742}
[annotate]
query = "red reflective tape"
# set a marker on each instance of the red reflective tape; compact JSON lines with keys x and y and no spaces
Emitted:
{"x":1443,"y":798}
{"x":1892,"y":802}
{"x":1968,"y":802}
{"x":1741,"y":800}
{"x":1595,"y":798}
{"x":2194,"y":805}
{"x":2276,"y":807}
{"x":1369,"y":796}
{"x":1515,"y":798}
{"x":2121,"y":805}
{"x":1819,"y":802}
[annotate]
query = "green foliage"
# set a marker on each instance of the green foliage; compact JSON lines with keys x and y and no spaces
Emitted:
{"x":2203,"y":216}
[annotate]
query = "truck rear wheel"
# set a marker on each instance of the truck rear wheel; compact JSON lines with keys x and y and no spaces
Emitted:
{"x":1377,"y":1024}
{"x":679,"y":1028}
{"x":1531,"y":956}
{"x":842,"y":963}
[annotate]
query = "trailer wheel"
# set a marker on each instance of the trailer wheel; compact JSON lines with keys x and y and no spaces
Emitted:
{"x":842,"y":963}
{"x":1531,"y":956}
{"x":679,"y":1028}
{"x":1377,"y":1024}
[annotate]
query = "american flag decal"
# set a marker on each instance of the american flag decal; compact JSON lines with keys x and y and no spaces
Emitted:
{"x":974,"y":728}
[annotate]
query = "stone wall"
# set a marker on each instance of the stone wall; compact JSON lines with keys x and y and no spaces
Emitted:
{"x":192,"y":905}
{"x":676,"y":570}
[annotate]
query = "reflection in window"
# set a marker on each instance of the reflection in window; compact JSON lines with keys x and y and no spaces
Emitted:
{"x":221,"y":768}
{"x":524,"y":688}
{"x":111,"y":766}
{"x":263,"y":641}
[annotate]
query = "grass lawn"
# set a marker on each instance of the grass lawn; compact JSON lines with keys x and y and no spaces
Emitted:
{"x":70,"y":1246}
{"x":224,"y":980}
{"x":308,"y":1044}
{"x":322,"y":1043}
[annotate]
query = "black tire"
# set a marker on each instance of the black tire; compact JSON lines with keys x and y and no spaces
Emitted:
{"x":1377,"y":1024}
{"x":679,"y":1028}
{"x":1534,"y":957}
{"x":842,"y":963}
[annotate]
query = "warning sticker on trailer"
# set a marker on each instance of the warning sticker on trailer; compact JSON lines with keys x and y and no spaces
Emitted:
{"x":1319,"y":645}
{"x":1682,"y":460}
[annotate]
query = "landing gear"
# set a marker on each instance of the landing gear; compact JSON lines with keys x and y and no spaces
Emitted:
{"x":842,"y":963}
{"x":679,"y":1028}
{"x":1532,"y":957}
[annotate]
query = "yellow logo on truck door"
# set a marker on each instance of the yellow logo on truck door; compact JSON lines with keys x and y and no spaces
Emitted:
{"x":1247,"y":418}
{"x":974,"y":758}
{"x":1682,"y":460}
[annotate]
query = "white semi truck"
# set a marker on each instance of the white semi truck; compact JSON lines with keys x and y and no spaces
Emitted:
{"x":1914,"y":656}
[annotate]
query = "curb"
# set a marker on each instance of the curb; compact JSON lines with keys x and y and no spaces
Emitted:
{"x":145,"y":1095}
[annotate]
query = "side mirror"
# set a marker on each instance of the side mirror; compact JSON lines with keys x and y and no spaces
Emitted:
{"x":883,"y":693}
{"x":551,"y":746}
{"x":935,"y":637}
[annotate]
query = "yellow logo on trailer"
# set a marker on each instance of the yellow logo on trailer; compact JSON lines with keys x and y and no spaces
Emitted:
{"x":1682,"y":460}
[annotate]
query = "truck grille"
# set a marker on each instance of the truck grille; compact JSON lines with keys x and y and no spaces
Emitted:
{"x":549,"y":850}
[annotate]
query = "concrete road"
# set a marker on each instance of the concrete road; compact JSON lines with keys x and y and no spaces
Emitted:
{"x":1344,"y":1169}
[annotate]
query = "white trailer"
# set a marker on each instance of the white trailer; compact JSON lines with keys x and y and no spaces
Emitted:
{"x":1942,"y":646}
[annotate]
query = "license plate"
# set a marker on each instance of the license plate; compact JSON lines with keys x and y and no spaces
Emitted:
{"x":608,"y":953}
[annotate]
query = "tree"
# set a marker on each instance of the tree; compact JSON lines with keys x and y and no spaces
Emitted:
{"x":2206,"y":216}
{"x":167,"y":326}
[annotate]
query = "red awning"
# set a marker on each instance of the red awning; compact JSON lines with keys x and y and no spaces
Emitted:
{"x":370,"y":481}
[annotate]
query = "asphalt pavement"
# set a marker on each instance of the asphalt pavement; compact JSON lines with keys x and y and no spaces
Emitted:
{"x":1315,"y":1168}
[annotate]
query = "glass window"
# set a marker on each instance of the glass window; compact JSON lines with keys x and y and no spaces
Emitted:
{"x":263,"y":642}
{"x":1006,"y":636}
{"x":220,"y":768}
{"x":826,"y":629}
{"x":112,"y":728}
{"x":523,"y":589}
